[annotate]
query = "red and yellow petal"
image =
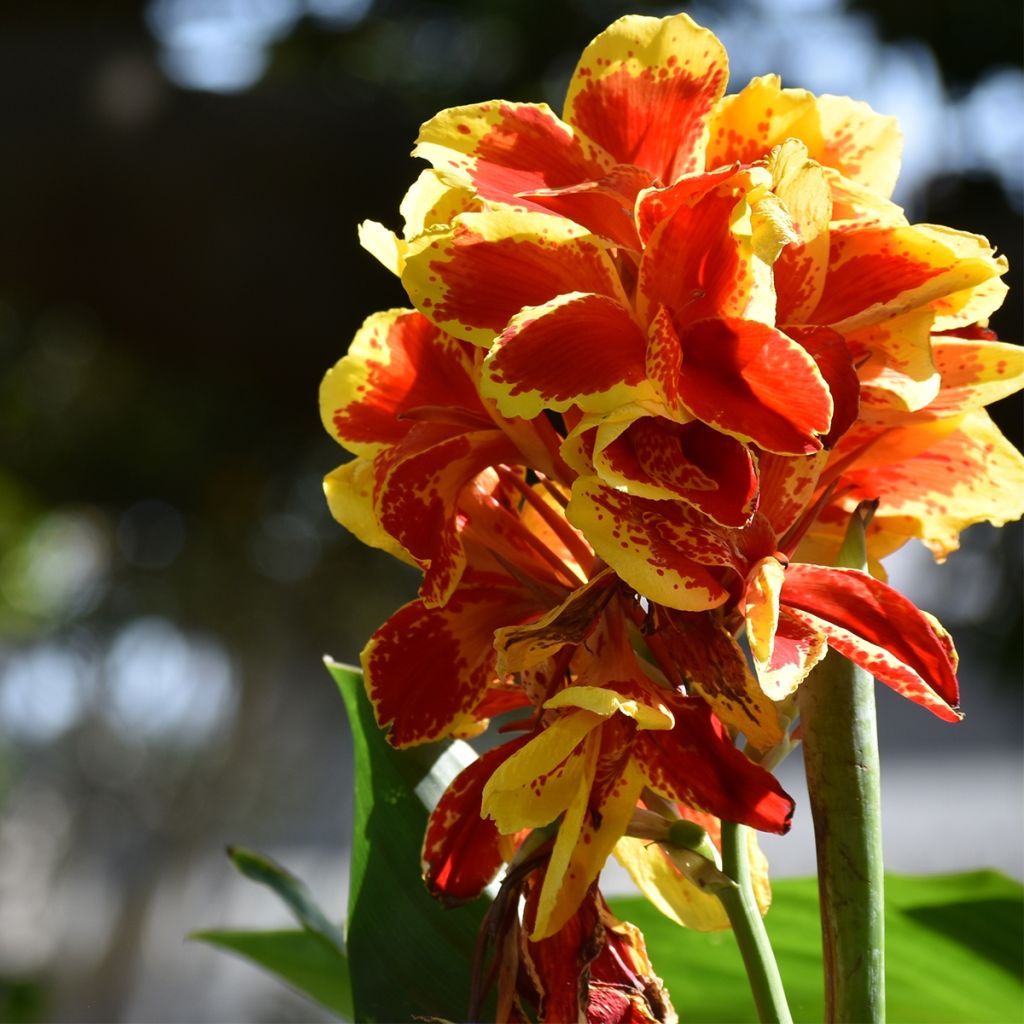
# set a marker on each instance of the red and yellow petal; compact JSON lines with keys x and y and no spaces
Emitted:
{"x":696,"y":764}
{"x":644,"y":90}
{"x":581,"y":350}
{"x":880,"y":272}
{"x":714,"y":667}
{"x":473,"y":276}
{"x":418,"y":501}
{"x":506,"y":149}
{"x":836,"y":364}
{"x":894,"y":362}
{"x":752,"y":381}
{"x":603,"y":206}
{"x":657,"y":458}
{"x":861,"y":144}
{"x":426,"y":667}
{"x":661,"y":548}
{"x":587,"y":835}
{"x":462,"y":851}
{"x":974,"y":373}
{"x":787,"y":487}
{"x":398,"y":362}
{"x":970,"y":475}
{"x":538,"y":782}
{"x":977,"y":302}
{"x":350,"y":497}
{"x":796,"y":648}
{"x":877,"y":628}
{"x":745,"y":126}
{"x":721,"y":276}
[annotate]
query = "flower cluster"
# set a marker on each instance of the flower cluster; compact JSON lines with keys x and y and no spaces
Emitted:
{"x":661,"y":349}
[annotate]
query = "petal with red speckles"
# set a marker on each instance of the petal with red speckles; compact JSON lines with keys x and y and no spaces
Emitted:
{"x":473,"y":276}
{"x":796,"y":648}
{"x":462,"y":851}
{"x":787,"y":487}
{"x":877,"y":628}
{"x":397,"y":362}
{"x":745,"y":126}
{"x":894,"y":362}
{"x":577,"y":350}
{"x":417,"y":502}
{"x":644,"y":90}
{"x":972,"y":474}
{"x":750,"y":380}
{"x":696,"y":764}
{"x":426,"y":667}
{"x":506,"y":149}
{"x":879,"y":272}
{"x":663,"y":549}
{"x":859,"y":143}
{"x":656,"y":458}
{"x":713,"y":666}
{"x":974,"y":373}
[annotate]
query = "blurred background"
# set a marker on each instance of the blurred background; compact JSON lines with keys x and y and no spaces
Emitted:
{"x":179,"y":194}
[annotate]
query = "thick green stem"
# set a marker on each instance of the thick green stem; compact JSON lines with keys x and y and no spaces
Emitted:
{"x":840,"y":736}
{"x":748,"y":927}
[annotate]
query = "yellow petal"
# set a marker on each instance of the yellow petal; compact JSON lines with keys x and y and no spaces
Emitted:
{"x":349,"y":491}
{"x":384,"y":244}
{"x":761,"y":606}
{"x":536,"y":784}
{"x":894,"y":362}
{"x":975,"y":373}
{"x":859,"y":143}
{"x":979,"y":301}
{"x":581,"y":849}
{"x":605,"y":702}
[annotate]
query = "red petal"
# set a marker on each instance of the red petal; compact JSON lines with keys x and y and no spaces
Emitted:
{"x":711,"y":471}
{"x":604,"y":206}
{"x":750,"y":380}
{"x":554,"y":355}
{"x":426,"y":667}
{"x":462,"y":852}
{"x":879,"y":629}
{"x":829,"y":351}
{"x":696,"y":764}
{"x":417,"y":502}
{"x":644,"y":89}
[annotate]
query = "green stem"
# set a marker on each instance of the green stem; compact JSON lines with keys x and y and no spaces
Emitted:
{"x":748,"y":927}
{"x":840,"y":736}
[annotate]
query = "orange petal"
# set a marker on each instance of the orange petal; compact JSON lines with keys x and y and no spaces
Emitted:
{"x":644,"y":90}
{"x":975,"y":373}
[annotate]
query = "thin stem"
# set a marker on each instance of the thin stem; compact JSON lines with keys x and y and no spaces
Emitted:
{"x":748,"y":927}
{"x":837,"y":714}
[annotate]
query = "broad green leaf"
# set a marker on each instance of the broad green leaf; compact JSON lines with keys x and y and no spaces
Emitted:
{"x":955,"y":946}
{"x":293,"y":892}
{"x":409,"y":956}
{"x":300,"y":958}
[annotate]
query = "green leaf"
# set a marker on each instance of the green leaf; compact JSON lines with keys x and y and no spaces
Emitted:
{"x":955,"y":949}
{"x":409,"y":956}
{"x":293,"y":892}
{"x":300,"y":958}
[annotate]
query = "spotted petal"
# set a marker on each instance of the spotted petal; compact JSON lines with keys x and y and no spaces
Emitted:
{"x":473,"y":276}
{"x":644,"y":90}
{"x":462,"y":851}
{"x":579,"y":349}
{"x":506,"y":149}
{"x":427,"y":667}
{"x":660,"y":548}
{"x":398,"y":362}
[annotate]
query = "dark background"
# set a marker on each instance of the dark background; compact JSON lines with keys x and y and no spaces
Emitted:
{"x":178,"y":267}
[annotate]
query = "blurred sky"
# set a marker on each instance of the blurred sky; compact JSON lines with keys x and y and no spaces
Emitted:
{"x":179,"y":267}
